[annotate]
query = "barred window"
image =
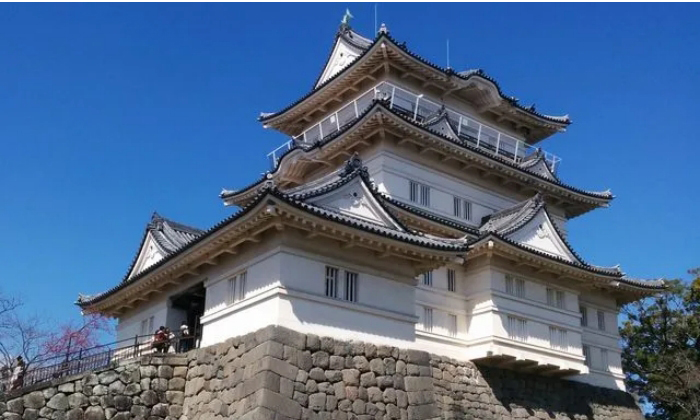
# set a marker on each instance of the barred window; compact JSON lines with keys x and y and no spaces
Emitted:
{"x":558,"y":339}
{"x":601,"y":320}
{"x":451,"y":281}
{"x":457,"y":210}
{"x":517,"y":328}
{"x":587,"y":355}
{"x":584,"y":316}
{"x":556,"y":298}
{"x":604,"y":360}
{"x":351,"y":286}
{"x":452,"y":325}
{"x":236,"y":288}
{"x":413,"y":191}
{"x":428,"y":319}
{"x":428,"y":278}
{"x":462,"y":208}
{"x":515,"y":286}
{"x":331,"y":282}
{"x":425,"y":195}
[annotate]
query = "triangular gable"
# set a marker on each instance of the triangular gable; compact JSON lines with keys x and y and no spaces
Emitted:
{"x":539,"y":166}
{"x":442,"y":126}
{"x":355,"y":199}
{"x":149,"y":254}
{"x":540,"y":234}
{"x":344,"y":52}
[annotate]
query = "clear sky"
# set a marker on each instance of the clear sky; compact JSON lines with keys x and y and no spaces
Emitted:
{"x":111,"y":111}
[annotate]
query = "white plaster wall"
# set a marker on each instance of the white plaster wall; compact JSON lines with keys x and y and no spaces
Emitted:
{"x":392,"y":173}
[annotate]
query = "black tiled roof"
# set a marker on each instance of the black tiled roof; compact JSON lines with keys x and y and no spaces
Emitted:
{"x":446,"y":71}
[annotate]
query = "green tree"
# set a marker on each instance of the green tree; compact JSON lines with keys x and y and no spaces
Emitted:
{"x":661,"y":351}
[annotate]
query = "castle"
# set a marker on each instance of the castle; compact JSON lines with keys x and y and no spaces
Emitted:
{"x":411,"y":207}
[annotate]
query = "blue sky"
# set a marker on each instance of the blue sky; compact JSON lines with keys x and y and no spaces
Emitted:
{"x":111,"y":111}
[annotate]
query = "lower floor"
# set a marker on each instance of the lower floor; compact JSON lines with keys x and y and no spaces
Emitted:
{"x":486,"y":313}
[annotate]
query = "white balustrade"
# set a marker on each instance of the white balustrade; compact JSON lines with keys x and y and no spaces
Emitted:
{"x":417,"y":108}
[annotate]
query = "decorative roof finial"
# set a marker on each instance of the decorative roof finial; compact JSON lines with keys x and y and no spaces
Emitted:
{"x":345,"y":21}
{"x":383,"y":29}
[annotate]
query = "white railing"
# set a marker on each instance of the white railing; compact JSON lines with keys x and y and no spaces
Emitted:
{"x":418,"y":108}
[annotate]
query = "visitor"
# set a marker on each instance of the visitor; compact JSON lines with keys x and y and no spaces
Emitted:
{"x":184,"y":337}
{"x":170,"y":343}
{"x":18,"y":374}
{"x":160,"y":340}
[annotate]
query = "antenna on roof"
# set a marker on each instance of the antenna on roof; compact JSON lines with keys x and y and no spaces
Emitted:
{"x":448,"y":53}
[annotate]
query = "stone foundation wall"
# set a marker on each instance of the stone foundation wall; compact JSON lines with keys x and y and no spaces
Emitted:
{"x":278,"y":374}
{"x":149,"y":388}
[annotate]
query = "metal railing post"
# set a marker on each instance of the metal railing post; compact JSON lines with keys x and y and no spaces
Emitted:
{"x":498,"y":143}
{"x":459,"y":128}
{"x":136,"y":345}
{"x":393,"y":94}
{"x":478,"y":136}
{"x":515,"y":154}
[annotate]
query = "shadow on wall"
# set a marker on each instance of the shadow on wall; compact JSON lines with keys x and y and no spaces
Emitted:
{"x":328,"y":319}
{"x":538,"y":394}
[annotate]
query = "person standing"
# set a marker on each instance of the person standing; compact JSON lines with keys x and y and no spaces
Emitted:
{"x":184,"y":337}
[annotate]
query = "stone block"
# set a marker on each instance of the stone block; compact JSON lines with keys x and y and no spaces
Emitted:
{"x":401,"y":367}
{"x":281,"y":335}
{"x":94,"y":413}
{"x":160,"y":410}
{"x":58,"y":415}
{"x":107,"y":377}
{"x":159,"y":384}
{"x":413,"y":383}
{"x":360,"y":363}
{"x":368,"y":379}
{"x":317,"y":374}
{"x":116,"y":387}
{"x":311,"y":386}
{"x":149,"y":398}
{"x":317,"y":401}
{"x":176,"y":411}
{"x":33,"y":414}
{"x":111,"y":412}
{"x":321,"y":359}
{"x":301,"y":397}
{"x":334,"y":376}
{"x":339,"y":390}
{"x":122,"y":403}
{"x":34,"y":400}
{"x":336,"y":362}
{"x":401,"y":399}
{"x":58,"y":402}
{"x":176,"y":384}
{"x":15,"y":405}
{"x":286,"y":387}
{"x":345,"y":405}
{"x":389,"y":396}
{"x":180,"y":371}
{"x":175,"y":397}
{"x":132,"y":389}
{"x":418,"y":357}
{"x":165,"y":371}
{"x":358,"y":407}
{"x":422,"y":412}
{"x":139,"y":411}
{"x":148,"y":371}
{"x":262,"y":380}
{"x":278,"y":403}
{"x":351,"y":376}
{"x":374,"y":394}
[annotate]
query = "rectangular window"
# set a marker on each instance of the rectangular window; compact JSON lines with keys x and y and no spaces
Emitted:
{"x":587,"y":355}
{"x":331,"y":282}
{"x":150,"y":325}
{"x":584,"y":316}
{"x":601,"y":320}
{"x":236,"y":288}
{"x":517,"y":328}
{"x":452,"y":325}
{"x":515,"y":286}
{"x":558,"y":339}
{"x":428,"y":319}
{"x":428,"y":278}
{"x":351,"y":286}
{"x":419,"y":193}
{"x":556,"y":298}
{"x":451,"y":281}
{"x":604,"y":360}
{"x":144,"y":327}
{"x":462,"y":208}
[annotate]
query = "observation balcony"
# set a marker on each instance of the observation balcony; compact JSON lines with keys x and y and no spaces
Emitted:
{"x":416,"y":108}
